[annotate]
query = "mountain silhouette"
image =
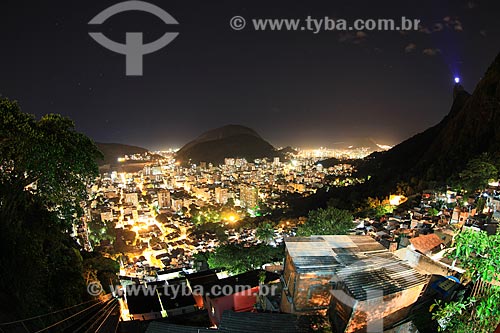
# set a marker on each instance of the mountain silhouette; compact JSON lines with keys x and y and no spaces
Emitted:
{"x":112,"y":151}
{"x":227,"y":141}
{"x":472,"y":127}
{"x":428,"y":159}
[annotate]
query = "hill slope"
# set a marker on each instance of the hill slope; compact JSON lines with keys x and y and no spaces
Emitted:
{"x":112,"y":151}
{"x":227,"y":141}
{"x":471,"y":128}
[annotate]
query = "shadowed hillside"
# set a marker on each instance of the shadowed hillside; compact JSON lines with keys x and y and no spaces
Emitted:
{"x":112,"y":151}
{"x":227,"y":141}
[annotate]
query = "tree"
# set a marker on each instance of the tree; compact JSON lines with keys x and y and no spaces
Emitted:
{"x":480,"y":204}
{"x":38,"y":252}
{"x":478,"y":173}
{"x":265,"y":232}
{"x":374,"y":207}
{"x":101,"y":230}
{"x":329,"y":221}
{"x":104,"y":269}
{"x":229,"y":203}
{"x":439,"y":204}
{"x":238,"y":259}
{"x":45,"y":168}
{"x":46,"y":158}
{"x":479,"y":254}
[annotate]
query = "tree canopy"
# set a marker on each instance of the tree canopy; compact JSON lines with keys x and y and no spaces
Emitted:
{"x":46,"y":158}
{"x":238,"y":259}
{"x":45,"y":168}
{"x":478,"y":173}
{"x":265,"y":232}
{"x":328,"y":221}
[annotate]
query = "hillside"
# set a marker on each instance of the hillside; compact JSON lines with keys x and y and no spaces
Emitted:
{"x":112,"y":151}
{"x":288,"y":150}
{"x":471,"y":127}
{"x":227,"y":141}
{"x":430,"y":158}
{"x":358,"y":142}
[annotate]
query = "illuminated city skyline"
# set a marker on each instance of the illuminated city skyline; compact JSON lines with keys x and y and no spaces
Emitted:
{"x":294,"y":88}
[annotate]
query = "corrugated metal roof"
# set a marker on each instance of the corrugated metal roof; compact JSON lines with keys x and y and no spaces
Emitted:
{"x":315,"y":261}
{"x":239,"y":322}
{"x":330,"y":250}
{"x":359,"y":263}
{"x":367,"y":244}
{"x":246,"y":322}
{"x":379,"y":274}
{"x":308,"y":249}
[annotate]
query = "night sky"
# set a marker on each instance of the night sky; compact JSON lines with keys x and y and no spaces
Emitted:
{"x":294,"y":88}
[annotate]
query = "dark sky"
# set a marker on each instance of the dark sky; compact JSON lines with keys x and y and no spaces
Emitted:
{"x":295,"y":88}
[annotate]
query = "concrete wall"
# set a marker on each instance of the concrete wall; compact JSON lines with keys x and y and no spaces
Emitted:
{"x":392,"y":309}
{"x":313,"y":292}
{"x":309,"y":292}
{"x":424,"y":264}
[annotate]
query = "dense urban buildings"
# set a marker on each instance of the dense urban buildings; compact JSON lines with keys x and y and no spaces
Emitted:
{"x":247,"y":167}
{"x":151,"y":216}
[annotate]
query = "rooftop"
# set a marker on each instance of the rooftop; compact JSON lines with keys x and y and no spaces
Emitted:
{"x":330,"y":251}
{"x":426,"y":243}
{"x":382,"y":274}
{"x":239,"y":322}
{"x":243,"y":322}
{"x":358,"y":263}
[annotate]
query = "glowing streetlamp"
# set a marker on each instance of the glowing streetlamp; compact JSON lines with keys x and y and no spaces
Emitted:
{"x":457,"y":80}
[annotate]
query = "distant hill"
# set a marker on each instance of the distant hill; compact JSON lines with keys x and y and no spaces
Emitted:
{"x":112,"y":151}
{"x":330,"y":162}
{"x":471,"y":128}
{"x":358,"y":142}
{"x":227,"y":141}
{"x":288,"y":150}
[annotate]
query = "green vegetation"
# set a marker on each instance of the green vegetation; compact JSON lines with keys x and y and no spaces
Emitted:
{"x":433,"y":211}
{"x":265,"y":232}
{"x":481,"y":202}
{"x":101,"y":230}
{"x":215,"y":228}
{"x":96,"y":267}
{"x":329,"y":221}
{"x":479,"y":254}
{"x":44,"y":159}
{"x":210,"y":214}
{"x":45,"y":167}
{"x":478,"y":173}
{"x":374,"y":207}
{"x":238,"y":259}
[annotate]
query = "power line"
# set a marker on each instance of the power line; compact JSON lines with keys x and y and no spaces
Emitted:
{"x":46,"y":314}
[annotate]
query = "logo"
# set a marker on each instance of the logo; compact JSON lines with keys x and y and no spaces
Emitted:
{"x":134,"y":49}
{"x":94,"y":288}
